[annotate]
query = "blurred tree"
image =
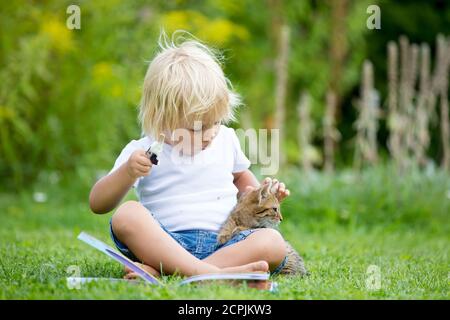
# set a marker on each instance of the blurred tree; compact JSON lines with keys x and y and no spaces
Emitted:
{"x":68,"y":97}
{"x":420,"y":21}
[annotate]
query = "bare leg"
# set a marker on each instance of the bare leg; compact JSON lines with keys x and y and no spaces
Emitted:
{"x":264,"y":244}
{"x":136,"y":228}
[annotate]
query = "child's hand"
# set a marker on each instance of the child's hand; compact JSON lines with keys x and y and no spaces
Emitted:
{"x":278,"y":188}
{"x":138,"y":165}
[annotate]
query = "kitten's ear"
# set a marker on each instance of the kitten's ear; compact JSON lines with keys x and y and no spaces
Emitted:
{"x":245,"y":193}
{"x":265,"y":190}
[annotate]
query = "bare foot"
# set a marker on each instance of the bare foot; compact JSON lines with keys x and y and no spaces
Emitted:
{"x":259,"y":266}
{"x":130,"y":274}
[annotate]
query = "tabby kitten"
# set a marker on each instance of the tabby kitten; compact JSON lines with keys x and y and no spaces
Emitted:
{"x":260,"y":209}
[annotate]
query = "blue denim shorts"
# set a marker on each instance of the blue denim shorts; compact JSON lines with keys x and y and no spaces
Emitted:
{"x":200,"y":243}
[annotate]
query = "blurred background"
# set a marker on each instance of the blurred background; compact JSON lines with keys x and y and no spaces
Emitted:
{"x":68,"y":98}
{"x":362,"y":111}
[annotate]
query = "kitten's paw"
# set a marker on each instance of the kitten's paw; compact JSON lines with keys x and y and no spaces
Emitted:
{"x":222,"y":239}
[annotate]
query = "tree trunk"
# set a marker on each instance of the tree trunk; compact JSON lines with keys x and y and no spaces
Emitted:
{"x":281,"y":87}
{"x":331,"y":134}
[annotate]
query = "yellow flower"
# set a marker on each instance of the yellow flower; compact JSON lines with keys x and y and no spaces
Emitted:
{"x":222,"y":31}
{"x":116,"y":91}
{"x":135,"y":94}
{"x":175,"y":20}
{"x":241,"y":32}
{"x":102,"y":71}
{"x":60,"y":36}
{"x":105,"y":76}
{"x":7,"y":113}
{"x":217,"y":31}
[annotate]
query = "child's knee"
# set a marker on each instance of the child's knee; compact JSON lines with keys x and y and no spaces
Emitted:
{"x":272,"y":244}
{"x":127,"y":215}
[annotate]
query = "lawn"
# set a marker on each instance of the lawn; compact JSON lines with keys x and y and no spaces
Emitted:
{"x":345,"y":226}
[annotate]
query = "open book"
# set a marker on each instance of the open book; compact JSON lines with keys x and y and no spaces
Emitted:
{"x":260,"y":280}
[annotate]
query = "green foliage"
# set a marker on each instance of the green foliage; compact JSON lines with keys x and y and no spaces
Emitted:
{"x":377,"y":196}
{"x":68,"y":97}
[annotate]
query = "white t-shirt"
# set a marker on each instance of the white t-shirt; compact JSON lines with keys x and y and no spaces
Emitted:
{"x":186,"y":193}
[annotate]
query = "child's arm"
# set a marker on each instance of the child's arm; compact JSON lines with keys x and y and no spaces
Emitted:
{"x":246,"y":180}
{"x":107,"y":193}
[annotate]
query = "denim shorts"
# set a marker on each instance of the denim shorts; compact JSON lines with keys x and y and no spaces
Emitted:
{"x":200,"y":243}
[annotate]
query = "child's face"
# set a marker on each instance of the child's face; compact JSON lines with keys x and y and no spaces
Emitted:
{"x":192,"y":140}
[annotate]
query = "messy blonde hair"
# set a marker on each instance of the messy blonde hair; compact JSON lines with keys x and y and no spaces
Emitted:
{"x":184,"y":83}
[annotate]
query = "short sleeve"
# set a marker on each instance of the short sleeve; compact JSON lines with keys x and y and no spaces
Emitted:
{"x":125,"y":155}
{"x":241,"y":162}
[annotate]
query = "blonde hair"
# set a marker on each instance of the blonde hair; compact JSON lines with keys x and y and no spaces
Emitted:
{"x":184,"y":83}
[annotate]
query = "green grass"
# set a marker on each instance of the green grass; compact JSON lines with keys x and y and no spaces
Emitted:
{"x":341,"y":225}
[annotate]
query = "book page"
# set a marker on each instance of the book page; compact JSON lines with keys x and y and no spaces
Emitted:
{"x":103,"y":247}
{"x":258,"y":281}
{"x":227,"y":276}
